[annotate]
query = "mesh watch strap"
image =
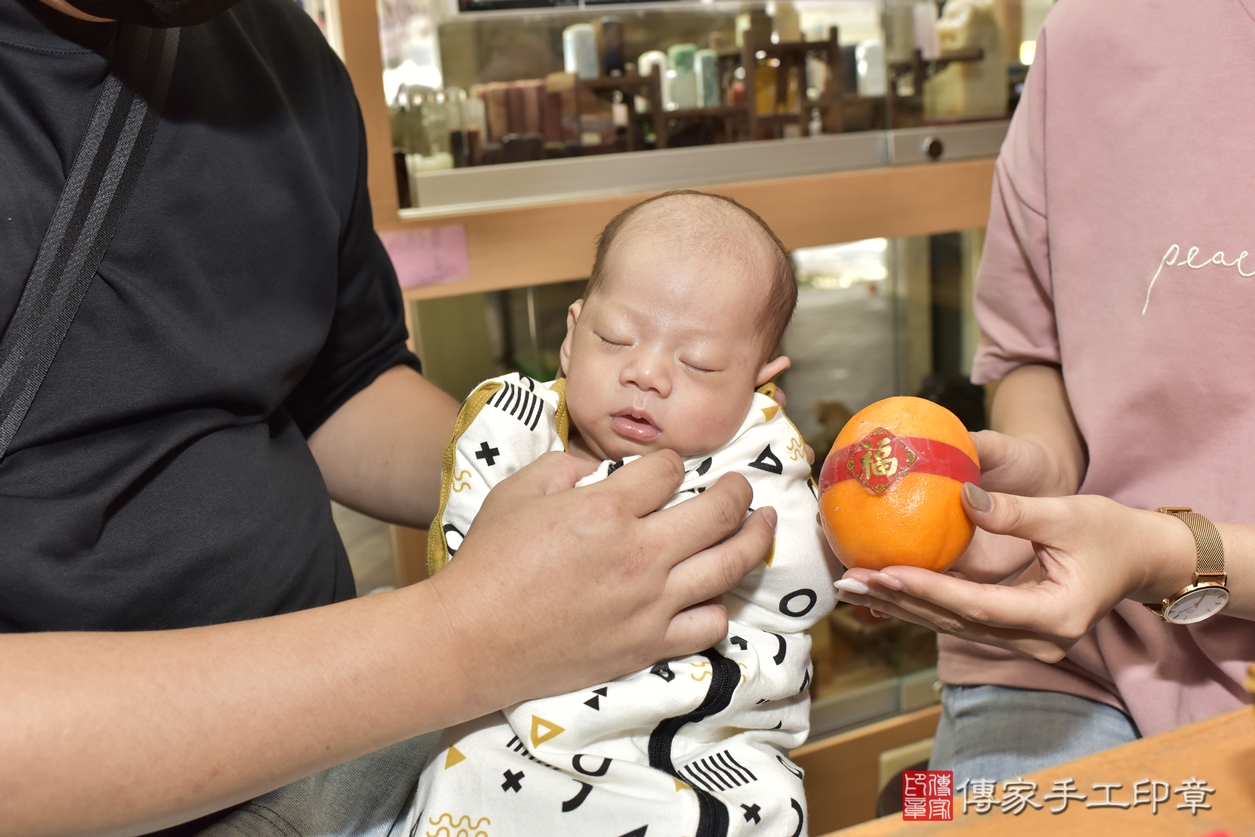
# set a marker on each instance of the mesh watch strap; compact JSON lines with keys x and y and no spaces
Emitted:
{"x":1207,"y":544}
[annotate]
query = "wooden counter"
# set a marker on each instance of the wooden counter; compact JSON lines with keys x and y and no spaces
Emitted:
{"x":1220,"y":752}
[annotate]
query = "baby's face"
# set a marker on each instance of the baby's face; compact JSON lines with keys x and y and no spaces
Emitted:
{"x":666,"y":354}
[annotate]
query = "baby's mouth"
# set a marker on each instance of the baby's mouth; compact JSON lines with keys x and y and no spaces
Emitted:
{"x":635,"y":425}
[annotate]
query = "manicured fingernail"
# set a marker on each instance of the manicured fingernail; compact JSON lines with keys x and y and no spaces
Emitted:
{"x":769,"y":514}
{"x":978,"y":498}
{"x":851,"y":585}
{"x":878,"y":614}
{"x":885,"y":580}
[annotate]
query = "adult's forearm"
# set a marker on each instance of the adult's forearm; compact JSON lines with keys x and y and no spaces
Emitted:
{"x":1094,"y":553}
{"x":381,"y":452}
{"x":1171,"y":559}
{"x":553,"y":589}
{"x":1031,"y":403}
{"x":123,"y":733}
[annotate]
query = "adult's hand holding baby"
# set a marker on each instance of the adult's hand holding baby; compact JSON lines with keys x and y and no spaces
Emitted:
{"x":598,"y":582}
{"x":1090,"y":553}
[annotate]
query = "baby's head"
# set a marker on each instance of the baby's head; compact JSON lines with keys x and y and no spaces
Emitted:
{"x":689,"y":297}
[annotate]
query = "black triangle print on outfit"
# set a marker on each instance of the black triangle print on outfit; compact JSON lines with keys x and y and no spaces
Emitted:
{"x":614,"y":466}
{"x":768,"y":461}
{"x":704,"y":467}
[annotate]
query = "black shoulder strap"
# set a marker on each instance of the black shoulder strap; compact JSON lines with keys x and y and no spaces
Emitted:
{"x":101,"y":179}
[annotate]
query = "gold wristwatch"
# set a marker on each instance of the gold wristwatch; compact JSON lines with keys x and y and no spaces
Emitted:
{"x":1206,"y":595}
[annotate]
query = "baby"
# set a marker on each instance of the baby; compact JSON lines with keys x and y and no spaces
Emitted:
{"x":671,"y":347}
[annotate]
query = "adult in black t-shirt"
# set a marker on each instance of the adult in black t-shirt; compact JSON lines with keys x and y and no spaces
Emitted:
{"x":238,"y":358}
{"x":242,"y":302}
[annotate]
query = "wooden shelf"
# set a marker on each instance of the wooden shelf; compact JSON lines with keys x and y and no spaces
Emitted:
{"x":783,"y":117}
{"x":615,"y":82}
{"x":555,"y":242}
{"x":716,"y":112}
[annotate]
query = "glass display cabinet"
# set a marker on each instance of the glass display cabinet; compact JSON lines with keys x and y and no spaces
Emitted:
{"x":488,"y":82}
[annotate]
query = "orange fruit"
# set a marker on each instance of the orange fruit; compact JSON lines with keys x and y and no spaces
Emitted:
{"x":889,"y":489}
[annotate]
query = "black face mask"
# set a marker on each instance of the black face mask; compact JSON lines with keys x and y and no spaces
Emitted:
{"x":158,"y":14}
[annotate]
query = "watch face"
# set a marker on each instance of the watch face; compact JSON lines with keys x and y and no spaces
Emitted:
{"x":1197,"y":605}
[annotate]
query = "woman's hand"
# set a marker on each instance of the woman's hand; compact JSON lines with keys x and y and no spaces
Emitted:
{"x":1014,"y":466}
{"x":1090,"y":553}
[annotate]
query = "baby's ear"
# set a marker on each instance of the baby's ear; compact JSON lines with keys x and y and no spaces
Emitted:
{"x":771,"y":369}
{"x":564,"y":352}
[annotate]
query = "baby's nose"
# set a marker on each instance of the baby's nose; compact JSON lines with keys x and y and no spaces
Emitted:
{"x":648,"y":372}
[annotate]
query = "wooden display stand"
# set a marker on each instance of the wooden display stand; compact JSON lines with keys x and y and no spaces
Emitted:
{"x":920,"y":70}
{"x":742,"y":120}
{"x":791,"y":57}
{"x":650,"y":87}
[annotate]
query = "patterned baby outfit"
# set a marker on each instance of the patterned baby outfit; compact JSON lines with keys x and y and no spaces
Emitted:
{"x":694,"y":746}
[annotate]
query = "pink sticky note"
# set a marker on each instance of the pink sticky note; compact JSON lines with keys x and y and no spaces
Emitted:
{"x":428,"y":256}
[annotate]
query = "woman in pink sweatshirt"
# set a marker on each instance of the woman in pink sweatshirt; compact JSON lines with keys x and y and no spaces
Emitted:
{"x":1116,"y":297}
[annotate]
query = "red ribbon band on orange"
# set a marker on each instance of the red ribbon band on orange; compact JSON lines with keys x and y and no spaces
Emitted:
{"x":881,"y":459}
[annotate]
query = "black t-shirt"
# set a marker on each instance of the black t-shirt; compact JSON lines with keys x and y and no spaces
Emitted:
{"x":161,"y":478}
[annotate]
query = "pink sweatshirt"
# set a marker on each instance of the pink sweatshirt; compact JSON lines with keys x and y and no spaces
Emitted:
{"x":1121,"y":246}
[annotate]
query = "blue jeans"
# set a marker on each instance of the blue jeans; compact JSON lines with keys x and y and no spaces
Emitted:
{"x":364,"y":798}
{"x":998,"y":733}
